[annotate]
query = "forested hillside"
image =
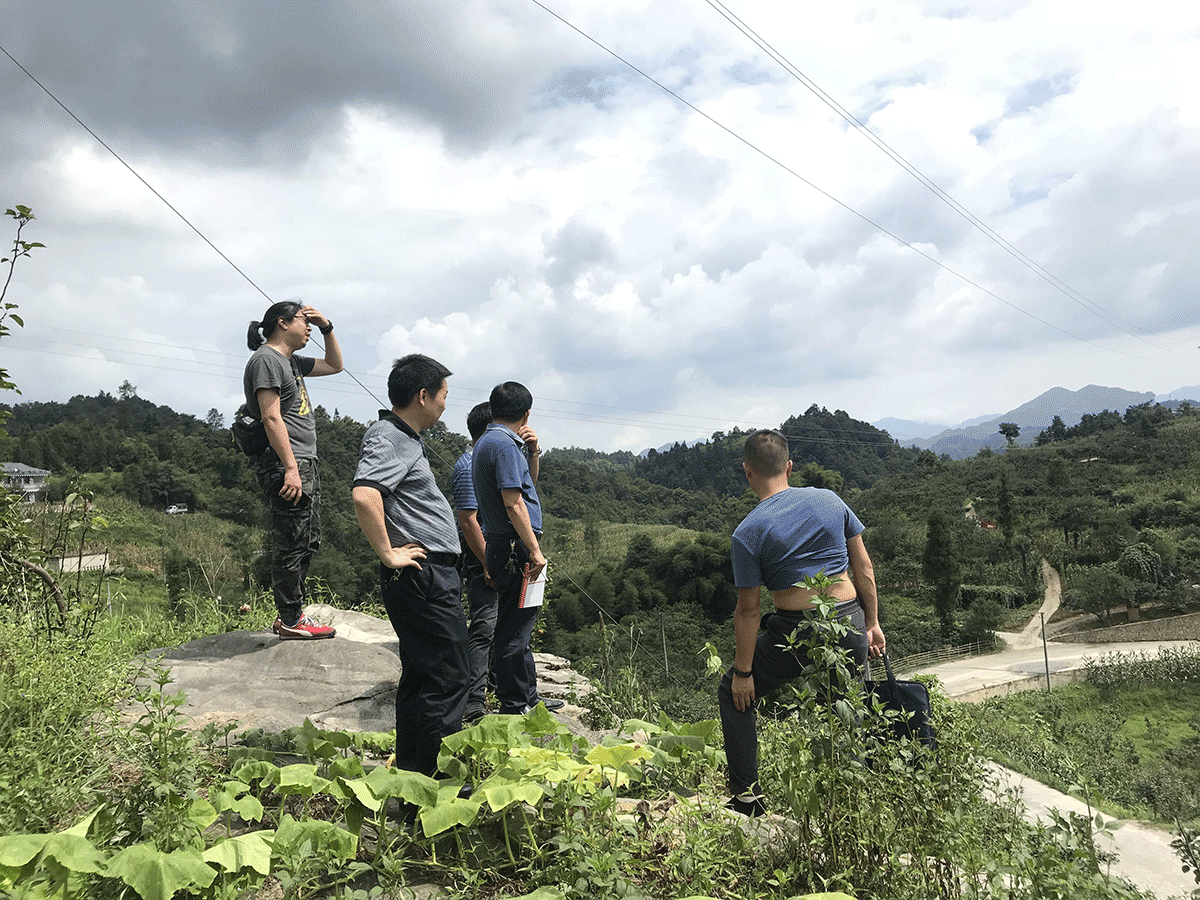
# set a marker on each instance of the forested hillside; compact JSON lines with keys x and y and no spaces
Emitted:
{"x":639,"y":547}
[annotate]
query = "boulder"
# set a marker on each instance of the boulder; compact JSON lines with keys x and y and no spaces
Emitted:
{"x":347,"y":683}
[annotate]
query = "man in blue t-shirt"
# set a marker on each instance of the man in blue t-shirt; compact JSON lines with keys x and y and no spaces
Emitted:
{"x":504,"y":465}
{"x":481,"y":593}
{"x":792,"y":533}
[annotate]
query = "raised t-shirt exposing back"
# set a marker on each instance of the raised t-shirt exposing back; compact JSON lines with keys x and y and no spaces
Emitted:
{"x":268,"y":368}
{"x":797,"y":532}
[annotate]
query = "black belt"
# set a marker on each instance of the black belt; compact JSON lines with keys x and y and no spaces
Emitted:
{"x":441,"y":559}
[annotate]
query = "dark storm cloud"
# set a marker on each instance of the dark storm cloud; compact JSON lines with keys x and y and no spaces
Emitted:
{"x":230,"y":75}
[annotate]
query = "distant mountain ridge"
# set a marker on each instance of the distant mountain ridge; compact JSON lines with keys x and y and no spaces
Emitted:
{"x":1033,"y":417}
{"x":970,"y":436}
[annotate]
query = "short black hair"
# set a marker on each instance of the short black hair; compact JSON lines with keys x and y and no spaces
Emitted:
{"x":410,"y":375}
{"x":767,"y":453}
{"x":510,"y":401}
{"x":478,"y":419}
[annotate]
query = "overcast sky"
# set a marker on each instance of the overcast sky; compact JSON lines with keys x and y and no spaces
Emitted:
{"x":479,"y":182}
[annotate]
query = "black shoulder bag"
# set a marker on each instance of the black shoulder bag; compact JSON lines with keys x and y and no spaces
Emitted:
{"x":906,"y":707}
{"x":249,"y":435}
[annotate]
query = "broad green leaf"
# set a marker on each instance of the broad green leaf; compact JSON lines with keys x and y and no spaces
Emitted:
{"x":617,"y":756}
{"x":412,"y":787}
{"x":363,"y":792}
{"x":18,"y":849}
{"x":354,"y":815}
{"x":323,"y":837}
{"x":502,"y":796}
{"x":301,"y":778}
{"x":160,"y":876}
{"x":74,"y":852}
{"x":630,"y":725}
{"x":233,"y":797}
{"x":252,"y":850}
{"x":546,"y":764}
{"x":679,"y":744}
{"x":543,"y":893}
{"x":448,"y":814}
{"x":251,"y":769}
{"x":346,"y":767}
{"x":538,"y":722}
{"x":201,"y":813}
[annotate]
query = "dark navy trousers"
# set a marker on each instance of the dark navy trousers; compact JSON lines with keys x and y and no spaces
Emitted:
{"x":516,"y":675}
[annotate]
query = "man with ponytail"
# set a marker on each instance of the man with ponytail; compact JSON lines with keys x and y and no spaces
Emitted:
{"x":287,"y":470}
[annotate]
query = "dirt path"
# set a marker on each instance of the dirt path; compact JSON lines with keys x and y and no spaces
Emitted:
{"x":1031,"y":634}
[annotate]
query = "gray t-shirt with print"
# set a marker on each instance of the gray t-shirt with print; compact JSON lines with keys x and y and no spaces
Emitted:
{"x":268,"y":368}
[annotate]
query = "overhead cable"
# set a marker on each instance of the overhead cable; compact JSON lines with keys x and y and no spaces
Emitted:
{"x":1050,"y":278}
{"x":788,"y":169}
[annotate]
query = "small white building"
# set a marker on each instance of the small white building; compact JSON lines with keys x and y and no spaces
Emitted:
{"x":24,"y":480}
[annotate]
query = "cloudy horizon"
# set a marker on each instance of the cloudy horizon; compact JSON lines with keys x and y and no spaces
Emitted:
{"x":479,"y":182}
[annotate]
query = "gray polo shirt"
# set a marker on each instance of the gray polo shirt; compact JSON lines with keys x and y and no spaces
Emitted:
{"x":392,"y":461}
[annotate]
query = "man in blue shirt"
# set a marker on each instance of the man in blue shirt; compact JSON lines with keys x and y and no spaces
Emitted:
{"x":792,"y":533}
{"x":481,"y":593}
{"x":505,"y":469}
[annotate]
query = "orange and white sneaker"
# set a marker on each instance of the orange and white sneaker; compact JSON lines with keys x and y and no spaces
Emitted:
{"x":307,"y":629}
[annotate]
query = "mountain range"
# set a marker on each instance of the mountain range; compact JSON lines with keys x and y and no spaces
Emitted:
{"x":968,"y":438}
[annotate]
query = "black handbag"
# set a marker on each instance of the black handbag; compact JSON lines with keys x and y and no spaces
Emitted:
{"x":908,"y":701}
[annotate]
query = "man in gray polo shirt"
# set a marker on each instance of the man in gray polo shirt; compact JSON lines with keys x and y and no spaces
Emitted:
{"x":409,"y":524}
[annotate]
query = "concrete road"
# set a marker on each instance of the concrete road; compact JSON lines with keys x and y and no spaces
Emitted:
{"x":979,"y":677}
{"x":1144,"y":853}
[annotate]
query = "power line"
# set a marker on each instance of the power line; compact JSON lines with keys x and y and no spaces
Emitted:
{"x":135,"y":174}
{"x":333,"y":387}
{"x":1054,"y":281}
{"x":877,"y":226}
{"x":658,"y":420}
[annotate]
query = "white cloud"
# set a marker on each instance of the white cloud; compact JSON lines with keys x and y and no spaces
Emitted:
{"x":481,"y":184}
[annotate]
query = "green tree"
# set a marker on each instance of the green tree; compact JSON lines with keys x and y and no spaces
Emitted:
{"x":1097,"y":589}
{"x":982,"y":619}
{"x":640,"y":552}
{"x":1011,"y":431}
{"x":1005,"y":517}
{"x":591,"y":534}
{"x":942,"y":568}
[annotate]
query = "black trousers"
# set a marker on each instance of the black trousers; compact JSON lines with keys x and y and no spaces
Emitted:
{"x":295,"y":533}
{"x":481,"y":606}
{"x":777,"y":662}
{"x":513,"y":666}
{"x":425,"y":608}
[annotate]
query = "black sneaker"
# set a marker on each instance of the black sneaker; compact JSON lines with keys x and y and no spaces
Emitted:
{"x":753,"y":807}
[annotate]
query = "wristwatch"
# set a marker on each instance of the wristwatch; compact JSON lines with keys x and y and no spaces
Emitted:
{"x":740,"y":674}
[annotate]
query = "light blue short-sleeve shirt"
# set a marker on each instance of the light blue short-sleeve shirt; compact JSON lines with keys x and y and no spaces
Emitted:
{"x":795,"y":533}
